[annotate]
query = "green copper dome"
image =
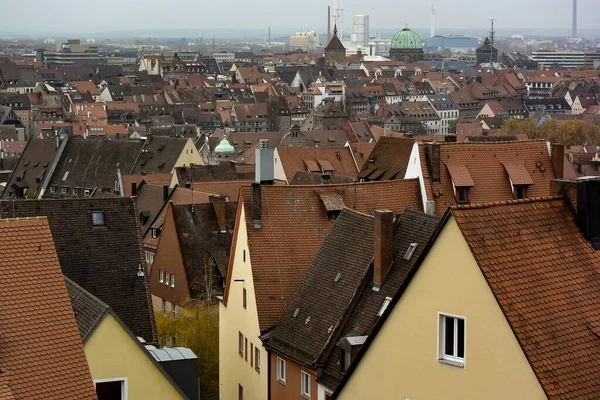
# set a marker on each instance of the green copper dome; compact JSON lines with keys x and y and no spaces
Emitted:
{"x":224,"y":148}
{"x":406,"y":39}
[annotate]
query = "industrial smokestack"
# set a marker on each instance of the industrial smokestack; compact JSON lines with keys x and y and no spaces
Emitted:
{"x":432,"y":20}
{"x":328,"y":24}
{"x":574,"y":24}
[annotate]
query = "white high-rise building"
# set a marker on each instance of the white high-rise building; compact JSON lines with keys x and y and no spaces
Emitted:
{"x":360,"y":30}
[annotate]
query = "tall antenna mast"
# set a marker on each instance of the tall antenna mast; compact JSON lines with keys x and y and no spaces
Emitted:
{"x":432,"y":19}
{"x":492,"y":44}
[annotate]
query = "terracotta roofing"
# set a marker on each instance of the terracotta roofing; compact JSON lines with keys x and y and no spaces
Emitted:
{"x":318,"y":178}
{"x":517,"y":172}
{"x":91,"y":165}
{"x":388,"y":160}
{"x":87,"y":308}
{"x":294,"y":225}
{"x":484,"y":163}
{"x":459,"y":174}
{"x":201,"y":239}
{"x":41,"y":355}
{"x":32,"y":167}
{"x":103,"y":259}
{"x":159,"y":155}
{"x":544,"y":275}
{"x":336,"y":160}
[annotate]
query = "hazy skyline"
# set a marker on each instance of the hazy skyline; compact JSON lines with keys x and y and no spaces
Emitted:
{"x":65,"y":17}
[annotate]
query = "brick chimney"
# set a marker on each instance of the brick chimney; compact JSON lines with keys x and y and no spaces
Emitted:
{"x":219,"y":204}
{"x":557,"y":155}
{"x":384,"y":233}
{"x":133,"y":188}
{"x":432,"y":153}
{"x":165,"y":192}
{"x":255,"y":205}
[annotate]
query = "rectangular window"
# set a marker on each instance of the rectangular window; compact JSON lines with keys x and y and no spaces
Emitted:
{"x":251,"y":352}
{"x":410,"y":251}
{"x":111,"y":389}
{"x":246,"y":349}
{"x":521,"y":192}
{"x":305,"y":384}
{"x":164,"y":306}
{"x":241,"y":345}
{"x":160,"y":275}
{"x":166,"y":278}
{"x":173,"y":310}
{"x":462,"y":195}
{"x":172,"y":280}
{"x":452,"y":339}
{"x":244,"y":298}
{"x":281,"y":371}
{"x":151,"y":258}
{"x":256,"y":359}
{"x":147,"y":256}
{"x":97,"y":218}
{"x":244,"y":258}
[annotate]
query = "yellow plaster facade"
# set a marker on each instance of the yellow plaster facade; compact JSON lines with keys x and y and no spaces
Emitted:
{"x":234,"y":319}
{"x":188,"y":156}
{"x":112,"y":353}
{"x":402,"y":361}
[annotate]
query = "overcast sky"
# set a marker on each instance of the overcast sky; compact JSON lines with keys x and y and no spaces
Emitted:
{"x":283,"y":16}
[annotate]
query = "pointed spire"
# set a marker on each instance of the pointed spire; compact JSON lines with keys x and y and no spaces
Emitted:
{"x":335,"y":29}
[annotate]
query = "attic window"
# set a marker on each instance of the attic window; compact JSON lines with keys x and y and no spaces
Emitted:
{"x":410,"y":251}
{"x":384,"y":306}
{"x":521,"y":192}
{"x":97,"y":218}
{"x":462,"y":195}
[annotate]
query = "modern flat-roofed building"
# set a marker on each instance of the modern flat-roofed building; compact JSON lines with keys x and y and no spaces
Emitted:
{"x":73,"y":52}
{"x":564,"y":59}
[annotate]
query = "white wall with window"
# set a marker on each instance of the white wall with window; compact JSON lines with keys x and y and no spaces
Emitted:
{"x":111,"y":388}
{"x":452,"y":338}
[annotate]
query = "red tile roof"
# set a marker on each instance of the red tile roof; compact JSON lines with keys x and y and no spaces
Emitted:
{"x":41,"y":355}
{"x":294,"y":226}
{"x":544,"y":275}
{"x":339,"y":160}
{"x":484,"y":162}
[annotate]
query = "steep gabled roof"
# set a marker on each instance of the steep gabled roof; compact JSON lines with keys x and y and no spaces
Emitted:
{"x":159,"y":155}
{"x":87,"y":308}
{"x":104,"y":260}
{"x":388,"y":160}
{"x":544,"y":275}
{"x":337,"y":161}
{"x":41,"y":356}
{"x":295,"y":222}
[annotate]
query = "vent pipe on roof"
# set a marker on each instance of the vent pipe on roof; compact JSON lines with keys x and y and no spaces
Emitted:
{"x":384,"y":233}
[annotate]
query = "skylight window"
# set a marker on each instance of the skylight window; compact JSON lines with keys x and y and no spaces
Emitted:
{"x":384,"y":306}
{"x":97,"y":218}
{"x":410,"y":251}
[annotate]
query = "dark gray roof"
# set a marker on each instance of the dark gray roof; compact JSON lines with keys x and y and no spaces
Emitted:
{"x":388,"y":160}
{"x":87,"y":308}
{"x":92,"y":165}
{"x":317,"y":178}
{"x":210,"y":173}
{"x":205,"y":250}
{"x":159,"y":155}
{"x":104,"y":260}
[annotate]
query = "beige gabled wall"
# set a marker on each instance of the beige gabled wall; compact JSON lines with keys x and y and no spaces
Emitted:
{"x":189,"y":155}
{"x":112,"y":353}
{"x":234,"y":318}
{"x":401,"y":363}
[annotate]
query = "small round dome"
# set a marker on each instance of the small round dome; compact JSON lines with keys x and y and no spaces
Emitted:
{"x":224,"y":148}
{"x":406,"y":39}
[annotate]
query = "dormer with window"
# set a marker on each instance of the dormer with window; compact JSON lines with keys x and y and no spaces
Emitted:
{"x":461,"y":181}
{"x":349,"y":348}
{"x":518,"y":178}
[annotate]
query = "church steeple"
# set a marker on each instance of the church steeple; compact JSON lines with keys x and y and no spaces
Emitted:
{"x":335,"y":29}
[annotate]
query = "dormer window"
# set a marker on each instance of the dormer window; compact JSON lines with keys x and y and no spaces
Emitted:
{"x":462,"y":195}
{"x":154,"y":233}
{"x":521,"y":192}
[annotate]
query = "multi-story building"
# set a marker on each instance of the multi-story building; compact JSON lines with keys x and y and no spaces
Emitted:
{"x":446,"y":110}
{"x":224,"y":56}
{"x":564,"y":59}
{"x":73,"y":52}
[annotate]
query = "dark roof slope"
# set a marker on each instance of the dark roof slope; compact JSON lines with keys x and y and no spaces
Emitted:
{"x":209,"y":173}
{"x":32,"y":167}
{"x":92,"y":165}
{"x":41,"y":356}
{"x":104,"y":260}
{"x":88,"y":309}
{"x":388,"y":160}
{"x":204,"y":248}
{"x":159,"y":155}
{"x":544,"y":275}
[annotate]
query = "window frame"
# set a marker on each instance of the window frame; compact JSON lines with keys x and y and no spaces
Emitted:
{"x":460,"y":190}
{"x":304,"y":393}
{"x":124,"y":386}
{"x":164,"y":306}
{"x":442,"y":357}
{"x":519,"y":188}
{"x":281,"y":370}
{"x":244,"y":298}
{"x":256,"y":359}
{"x":246,"y":349}
{"x":241,"y":344}
{"x":95,"y":223}
{"x":172,"y":280}
{"x":161,"y":275}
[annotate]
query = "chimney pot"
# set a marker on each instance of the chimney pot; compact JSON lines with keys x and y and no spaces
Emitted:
{"x":165,"y":192}
{"x":383,"y":251}
{"x":133,"y":189}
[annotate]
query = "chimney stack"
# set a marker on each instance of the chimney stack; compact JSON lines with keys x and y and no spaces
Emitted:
{"x":433,"y":160}
{"x":574,"y":22}
{"x":133,"y":188}
{"x":220,"y":207}
{"x":264,"y":163}
{"x":384,"y":233}
{"x":165,"y":192}
{"x":557,"y":155}
{"x":255,"y":205}
{"x":328,"y":24}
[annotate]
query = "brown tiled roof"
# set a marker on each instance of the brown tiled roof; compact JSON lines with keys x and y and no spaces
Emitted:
{"x":104,"y":260}
{"x":388,"y":160}
{"x":517,"y":172}
{"x":544,"y":275}
{"x":41,"y":355}
{"x":154,"y":179}
{"x":483,"y":161}
{"x":159,"y":155}
{"x":336,"y":159}
{"x":459,"y":174}
{"x":294,"y":225}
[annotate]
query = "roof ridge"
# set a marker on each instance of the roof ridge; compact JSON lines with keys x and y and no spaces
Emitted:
{"x":358,"y":212}
{"x":505,"y":202}
{"x":339,"y":184}
{"x":487,"y":143}
{"x":22,"y":219}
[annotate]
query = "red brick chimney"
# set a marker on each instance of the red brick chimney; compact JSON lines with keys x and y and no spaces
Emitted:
{"x":558,"y":158}
{"x":219,"y":205}
{"x":384,"y":232}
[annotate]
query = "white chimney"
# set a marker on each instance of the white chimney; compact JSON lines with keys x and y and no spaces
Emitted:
{"x":264,"y":163}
